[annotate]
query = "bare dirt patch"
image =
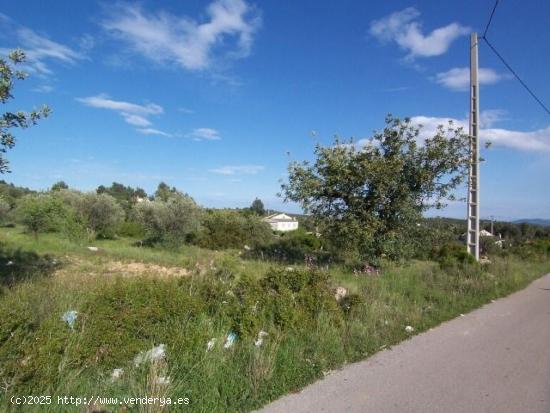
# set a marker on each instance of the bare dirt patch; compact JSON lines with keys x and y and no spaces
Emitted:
{"x":140,"y":268}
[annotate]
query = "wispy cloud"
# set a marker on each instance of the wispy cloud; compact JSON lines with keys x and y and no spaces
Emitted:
{"x":187,"y":111}
{"x":166,"y":38}
{"x":39,"y":49}
{"x":132,"y":113}
{"x":103,"y":101}
{"x":238,"y":170}
{"x":490,"y":117}
{"x":153,"y":131}
{"x":404,"y":29}
{"x":537,"y":140}
{"x":208,"y":134}
{"x":43,"y":89}
{"x":136,"y":120}
{"x":458,"y":78}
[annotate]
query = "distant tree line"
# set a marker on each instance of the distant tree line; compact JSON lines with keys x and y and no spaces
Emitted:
{"x":170,"y":218}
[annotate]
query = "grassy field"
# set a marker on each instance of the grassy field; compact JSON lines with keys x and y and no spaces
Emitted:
{"x":130,"y":299}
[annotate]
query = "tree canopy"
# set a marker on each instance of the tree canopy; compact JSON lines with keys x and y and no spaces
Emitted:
{"x":9,"y":120}
{"x":371,"y":197}
{"x":258,"y":207}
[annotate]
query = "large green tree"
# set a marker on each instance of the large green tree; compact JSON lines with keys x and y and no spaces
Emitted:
{"x":9,"y":120}
{"x":369,"y":199}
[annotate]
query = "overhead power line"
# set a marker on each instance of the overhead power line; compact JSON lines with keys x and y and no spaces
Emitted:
{"x":516,"y":75}
{"x":495,"y":51}
{"x":490,"y":19}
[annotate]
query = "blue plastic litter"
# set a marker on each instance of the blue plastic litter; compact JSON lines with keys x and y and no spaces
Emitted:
{"x":70,"y":317}
{"x":230,"y":339}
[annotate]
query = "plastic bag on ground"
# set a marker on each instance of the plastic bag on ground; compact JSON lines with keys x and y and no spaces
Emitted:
{"x":156,"y":353}
{"x":70,"y":317}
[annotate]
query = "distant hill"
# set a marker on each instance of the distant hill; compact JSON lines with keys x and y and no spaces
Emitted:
{"x":534,"y":221}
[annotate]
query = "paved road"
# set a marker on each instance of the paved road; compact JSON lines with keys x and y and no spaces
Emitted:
{"x":495,"y":359}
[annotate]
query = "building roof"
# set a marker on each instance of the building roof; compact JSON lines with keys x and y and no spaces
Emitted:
{"x":279,"y":218}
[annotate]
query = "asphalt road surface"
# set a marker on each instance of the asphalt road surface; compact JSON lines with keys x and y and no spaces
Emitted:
{"x":494,"y":359}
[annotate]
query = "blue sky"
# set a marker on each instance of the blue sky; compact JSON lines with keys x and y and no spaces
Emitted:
{"x":215,"y":97}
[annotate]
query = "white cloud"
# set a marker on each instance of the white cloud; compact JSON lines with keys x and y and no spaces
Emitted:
{"x":136,"y":120}
{"x":152,"y":131}
{"x":208,"y":134}
{"x":538,"y":140}
{"x":238,"y":170}
{"x":43,"y":89}
{"x":132,"y":113}
{"x":490,"y":117}
{"x":403,"y":28}
{"x":103,"y":101}
{"x":458,"y":78}
{"x":187,"y":111}
{"x":167,"y":38}
{"x":38,"y":48}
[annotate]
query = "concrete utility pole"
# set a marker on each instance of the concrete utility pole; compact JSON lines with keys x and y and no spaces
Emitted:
{"x":472,"y":236}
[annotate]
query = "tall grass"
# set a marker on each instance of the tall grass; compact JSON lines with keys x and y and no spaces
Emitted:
{"x":309,"y":332}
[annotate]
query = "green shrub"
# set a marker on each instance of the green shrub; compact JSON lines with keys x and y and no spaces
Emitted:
{"x":5,"y":209}
{"x":296,"y":298}
{"x":75,"y":228}
{"x":99,"y":214}
{"x":222,"y":229}
{"x":532,"y":250}
{"x":102,"y":214}
{"x":452,"y":255}
{"x":292,"y":247}
{"x":131,"y":229}
{"x":171,"y":222}
{"x":41,"y":213}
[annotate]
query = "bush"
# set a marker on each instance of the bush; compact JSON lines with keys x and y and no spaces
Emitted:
{"x":532,"y":250}
{"x":91,"y":214}
{"x":5,"y":209}
{"x":230,"y":229}
{"x":75,"y":228}
{"x":452,"y":255}
{"x":102,"y":214}
{"x":292,"y":247}
{"x":41,"y":213}
{"x":131,"y":229}
{"x":170,"y":222}
{"x":489,"y":246}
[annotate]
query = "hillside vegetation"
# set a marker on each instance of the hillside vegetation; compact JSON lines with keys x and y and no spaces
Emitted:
{"x":130,"y":299}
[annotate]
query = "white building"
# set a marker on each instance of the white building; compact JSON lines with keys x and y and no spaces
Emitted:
{"x":281,"y":222}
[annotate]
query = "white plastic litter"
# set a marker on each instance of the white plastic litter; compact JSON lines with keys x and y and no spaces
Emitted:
{"x":230,"y":339}
{"x":261,"y":335}
{"x":210,"y":344}
{"x":70,"y":317}
{"x":9,"y":263}
{"x":156,"y":353}
{"x":409,"y":329}
{"x":93,"y":249}
{"x":247,"y":248}
{"x":341,"y":292}
{"x":117,"y":374}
